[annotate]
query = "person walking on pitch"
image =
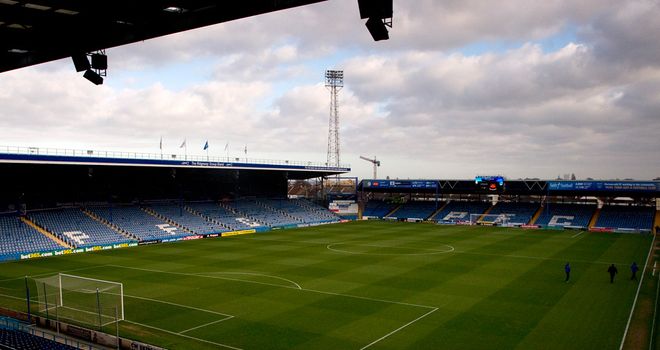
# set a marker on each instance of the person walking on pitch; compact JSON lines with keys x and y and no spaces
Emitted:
{"x":633,"y":269}
{"x":613,"y":271}
{"x":567,"y":269}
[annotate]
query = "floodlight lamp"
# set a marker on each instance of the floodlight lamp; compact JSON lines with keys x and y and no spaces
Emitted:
{"x":94,"y":77}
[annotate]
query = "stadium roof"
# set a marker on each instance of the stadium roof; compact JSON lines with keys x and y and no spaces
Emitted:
{"x":53,"y":156}
{"x":597,"y":188}
{"x":37,"y":31}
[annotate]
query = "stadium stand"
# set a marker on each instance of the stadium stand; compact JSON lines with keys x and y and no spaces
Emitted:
{"x":215,"y":212}
{"x":377,"y":209}
{"x":73,"y":226}
{"x":183,"y":217}
{"x":416,"y":210}
{"x":459,"y":211}
{"x":304,"y":211}
{"x":626,"y":217}
{"x":17,"y":237}
{"x":258,"y":212}
{"x":14,"y":339}
{"x":137,"y":222}
{"x":15,"y":334}
{"x":566,"y":215}
{"x":517,"y":213}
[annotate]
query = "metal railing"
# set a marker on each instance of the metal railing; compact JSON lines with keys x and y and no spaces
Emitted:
{"x":158,"y":156}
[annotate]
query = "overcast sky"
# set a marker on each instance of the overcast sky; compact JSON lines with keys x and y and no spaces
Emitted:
{"x":463,"y":87}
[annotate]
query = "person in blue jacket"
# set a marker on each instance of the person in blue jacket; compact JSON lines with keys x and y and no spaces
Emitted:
{"x":567,"y":269}
{"x":634,"y":268}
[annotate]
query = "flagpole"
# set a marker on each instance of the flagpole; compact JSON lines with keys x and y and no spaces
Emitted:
{"x":185,"y":148}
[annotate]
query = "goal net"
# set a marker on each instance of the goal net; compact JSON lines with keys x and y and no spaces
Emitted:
{"x":79,"y":299}
{"x":489,"y":219}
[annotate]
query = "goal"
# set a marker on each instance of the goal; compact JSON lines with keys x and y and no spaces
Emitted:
{"x":489,"y":219}
{"x":80,"y":299}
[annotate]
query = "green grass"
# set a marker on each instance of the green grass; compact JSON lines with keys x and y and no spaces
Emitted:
{"x":378,"y":285}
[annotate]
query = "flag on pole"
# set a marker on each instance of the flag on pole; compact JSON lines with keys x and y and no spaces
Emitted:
{"x":206,"y":145}
{"x":245,"y":149}
{"x":183,"y":144}
{"x":161,"y":143}
{"x":227,"y":146}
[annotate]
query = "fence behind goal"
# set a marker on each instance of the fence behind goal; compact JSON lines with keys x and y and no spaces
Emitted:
{"x":79,"y":299}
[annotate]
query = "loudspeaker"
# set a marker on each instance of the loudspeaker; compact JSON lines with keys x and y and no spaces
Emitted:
{"x":80,"y":61}
{"x":375,"y":8}
{"x":99,"y":61}
{"x":93,"y":77}
{"x":377,"y":29}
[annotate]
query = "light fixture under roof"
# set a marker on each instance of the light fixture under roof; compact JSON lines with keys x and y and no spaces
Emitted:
{"x":8,"y":2}
{"x":17,"y":51}
{"x":174,"y":9}
{"x":19,"y":26}
{"x":37,"y":7}
{"x":66,"y":12}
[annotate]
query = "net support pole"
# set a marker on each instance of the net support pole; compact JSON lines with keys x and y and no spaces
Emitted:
{"x":27,"y":299}
{"x":57,"y":319}
{"x":59,"y":277}
{"x":45,"y":299}
{"x":98,"y":308}
{"x":121,"y":300}
{"x":117,"y":327}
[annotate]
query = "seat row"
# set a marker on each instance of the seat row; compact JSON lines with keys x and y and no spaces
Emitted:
{"x":618,"y":217}
{"x":106,"y":225}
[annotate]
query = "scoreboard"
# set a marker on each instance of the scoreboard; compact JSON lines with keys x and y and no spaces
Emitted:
{"x":490,"y":183}
{"x":402,"y":184}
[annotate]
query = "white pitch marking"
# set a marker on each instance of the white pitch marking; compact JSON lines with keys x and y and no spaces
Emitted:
{"x":185,"y":336}
{"x":13,"y":297}
{"x":398,"y":329}
{"x":276,"y":285}
{"x":198,"y":275}
{"x":175,"y":304}
{"x":53,"y":273}
{"x":639,"y":287}
{"x":577,"y":234}
{"x":431,"y":251}
{"x":85,"y":311}
{"x":433,"y":308}
{"x":370,"y":299}
{"x":206,"y":324}
{"x":249,"y":274}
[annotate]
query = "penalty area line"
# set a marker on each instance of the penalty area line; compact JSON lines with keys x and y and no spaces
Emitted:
{"x":206,"y":324}
{"x":398,"y":329}
{"x":184,"y":335}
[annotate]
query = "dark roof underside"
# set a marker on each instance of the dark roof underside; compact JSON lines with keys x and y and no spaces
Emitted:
{"x":37,"y":31}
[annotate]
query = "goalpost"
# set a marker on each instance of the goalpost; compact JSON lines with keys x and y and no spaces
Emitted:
{"x":80,"y":299}
{"x":489,"y":219}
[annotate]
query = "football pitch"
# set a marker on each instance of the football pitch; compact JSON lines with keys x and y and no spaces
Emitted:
{"x":366,"y":285}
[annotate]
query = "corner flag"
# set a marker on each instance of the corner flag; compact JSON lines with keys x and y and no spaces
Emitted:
{"x":206,"y":145}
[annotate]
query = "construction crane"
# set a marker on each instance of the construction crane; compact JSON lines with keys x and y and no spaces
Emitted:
{"x":376,"y":164}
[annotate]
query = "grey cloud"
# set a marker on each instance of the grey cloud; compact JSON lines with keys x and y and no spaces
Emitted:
{"x":627,"y":36}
